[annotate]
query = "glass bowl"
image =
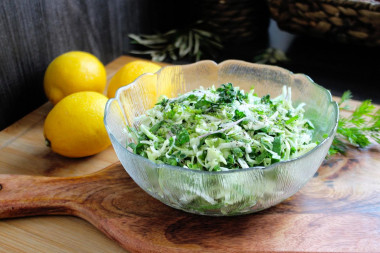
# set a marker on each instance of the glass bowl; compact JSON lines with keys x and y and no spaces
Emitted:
{"x":223,"y":193}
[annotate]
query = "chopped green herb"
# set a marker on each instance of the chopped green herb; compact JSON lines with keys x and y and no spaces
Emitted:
{"x":292,"y":119}
{"x":163,"y":102}
{"x":239,"y":115}
{"x":183,"y":137}
{"x":277,"y":145}
{"x":266,"y":99}
{"x":155,"y":128}
{"x":202,"y":103}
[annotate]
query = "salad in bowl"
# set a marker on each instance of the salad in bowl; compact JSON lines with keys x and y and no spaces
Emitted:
{"x":221,"y":139}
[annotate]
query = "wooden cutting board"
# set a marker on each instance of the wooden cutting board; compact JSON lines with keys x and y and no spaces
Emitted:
{"x":337,"y":211}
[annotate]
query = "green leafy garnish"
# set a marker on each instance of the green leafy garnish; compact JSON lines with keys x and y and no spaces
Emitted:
{"x":202,"y":103}
{"x":357,"y":129}
{"x":227,"y":94}
{"x":277,"y":145}
{"x":182,"y":135}
{"x":155,"y":128}
{"x":266,"y":99}
{"x":163,"y":102}
{"x":239,"y":115}
{"x":292,"y":119}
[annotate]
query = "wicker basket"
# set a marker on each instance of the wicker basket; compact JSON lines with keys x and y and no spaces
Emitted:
{"x":347,"y":21}
{"x":236,"y":21}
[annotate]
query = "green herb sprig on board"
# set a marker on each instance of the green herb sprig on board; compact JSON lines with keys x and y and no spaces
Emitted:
{"x":358,"y":129}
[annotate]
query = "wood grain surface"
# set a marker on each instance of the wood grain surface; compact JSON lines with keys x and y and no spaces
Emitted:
{"x":337,"y":211}
{"x":331,"y":214}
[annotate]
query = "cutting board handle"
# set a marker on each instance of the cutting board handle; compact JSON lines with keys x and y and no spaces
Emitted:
{"x":22,"y":195}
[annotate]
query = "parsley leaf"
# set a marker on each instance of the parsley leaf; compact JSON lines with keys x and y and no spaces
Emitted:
{"x":202,"y":103}
{"x":181,"y":133}
{"x":163,"y":102}
{"x":266,"y":99}
{"x":155,"y":128}
{"x":277,"y":145}
{"x":228,"y":94}
{"x":239,"y":115}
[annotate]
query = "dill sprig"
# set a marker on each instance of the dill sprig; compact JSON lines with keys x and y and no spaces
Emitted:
{"x":362,"y":126}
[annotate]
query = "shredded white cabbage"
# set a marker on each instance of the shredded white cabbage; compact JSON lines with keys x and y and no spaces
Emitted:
{"x":219,"y":129}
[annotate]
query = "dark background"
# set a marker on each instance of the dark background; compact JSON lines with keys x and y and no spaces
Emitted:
{"x":33,"y":33}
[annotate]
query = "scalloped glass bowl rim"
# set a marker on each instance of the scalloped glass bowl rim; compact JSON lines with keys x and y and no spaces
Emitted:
{"x":130,"y":86}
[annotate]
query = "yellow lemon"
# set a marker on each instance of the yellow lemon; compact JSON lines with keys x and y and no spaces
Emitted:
{"x":128,"y":73}
{"x":75,"y":128}
{"x":73,"y":72}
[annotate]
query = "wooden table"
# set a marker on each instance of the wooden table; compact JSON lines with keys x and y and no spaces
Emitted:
{"x":23,"y":151}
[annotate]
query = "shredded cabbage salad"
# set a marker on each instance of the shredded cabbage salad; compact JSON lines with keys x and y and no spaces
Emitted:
{"x":221,"y":129}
